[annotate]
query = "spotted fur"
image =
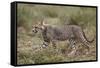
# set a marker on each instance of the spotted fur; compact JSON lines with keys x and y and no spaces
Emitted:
{"x":72,"y":33}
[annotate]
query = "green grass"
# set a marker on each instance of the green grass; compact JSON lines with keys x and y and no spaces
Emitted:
{"x":29,"y":46}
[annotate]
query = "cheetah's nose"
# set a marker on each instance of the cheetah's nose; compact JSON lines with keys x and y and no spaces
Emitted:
{"x":34,"y":31}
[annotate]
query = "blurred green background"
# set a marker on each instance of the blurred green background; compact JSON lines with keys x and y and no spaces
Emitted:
{"x":28,"y":48}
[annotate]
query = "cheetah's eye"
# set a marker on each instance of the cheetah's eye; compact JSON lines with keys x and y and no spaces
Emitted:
{"x":36,"y":27}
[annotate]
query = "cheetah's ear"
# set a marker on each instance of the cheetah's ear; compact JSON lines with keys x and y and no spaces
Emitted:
{"x":42,"y":22}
